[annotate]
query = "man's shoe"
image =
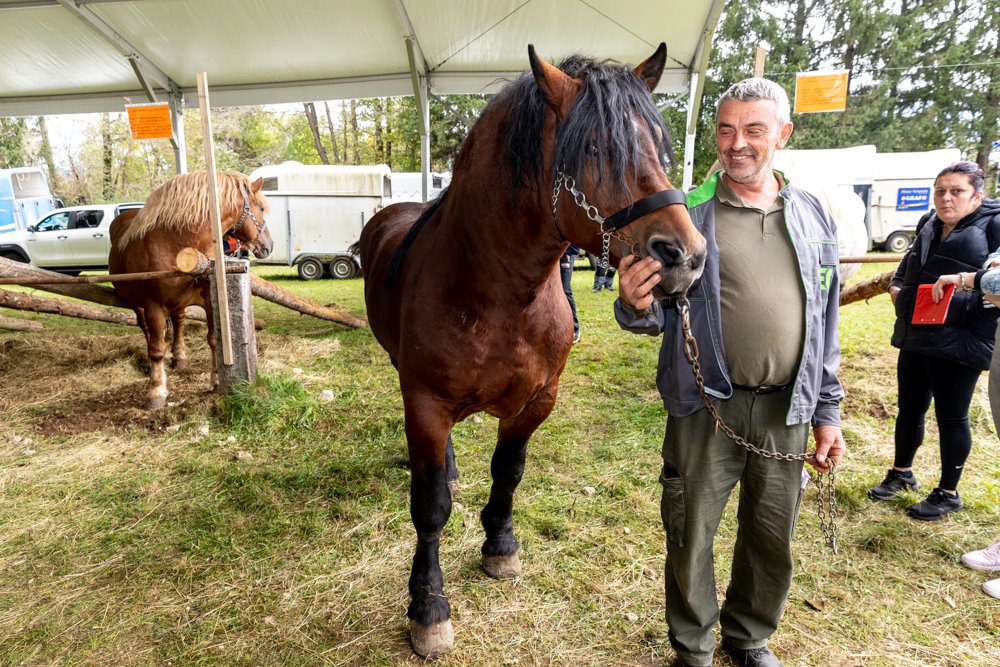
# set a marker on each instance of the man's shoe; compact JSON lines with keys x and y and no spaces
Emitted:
{"x":596,"y":289}
{"x":895,"y":482}
{"x":761,"y":656}
{"x":608,"y":287}
{"x":987,"y":560}
{"x":992,"y":588}
{"x":936,"y":506}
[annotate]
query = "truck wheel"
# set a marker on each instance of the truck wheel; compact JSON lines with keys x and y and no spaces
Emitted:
{"x":897,"y":242}
{"x":310,"y":268}
{"x":343,"y":267}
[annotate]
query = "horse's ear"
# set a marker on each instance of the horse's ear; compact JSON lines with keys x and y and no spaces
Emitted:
{"x":256,"y":185}
{"x":650,"y":69}
{"x":559,"y":88}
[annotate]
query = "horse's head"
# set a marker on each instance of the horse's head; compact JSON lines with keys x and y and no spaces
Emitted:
{"x":610,"y":193}
{"x":250,"y":226}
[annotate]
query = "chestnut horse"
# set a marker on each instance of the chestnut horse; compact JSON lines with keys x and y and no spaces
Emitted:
{"x":176,"y":216}
{"x":464,"y":293}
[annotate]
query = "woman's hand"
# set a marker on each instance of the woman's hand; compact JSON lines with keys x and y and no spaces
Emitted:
{"x":893,"y":291}
{"x":938,"y":290}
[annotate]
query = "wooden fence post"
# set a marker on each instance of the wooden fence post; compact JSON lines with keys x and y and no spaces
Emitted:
{"x":241,"y":328}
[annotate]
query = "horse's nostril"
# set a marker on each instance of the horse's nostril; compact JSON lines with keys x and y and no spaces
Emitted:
{"x":668,"y":255}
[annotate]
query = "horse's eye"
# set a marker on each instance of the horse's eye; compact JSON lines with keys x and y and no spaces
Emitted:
{"x":591,"y":148}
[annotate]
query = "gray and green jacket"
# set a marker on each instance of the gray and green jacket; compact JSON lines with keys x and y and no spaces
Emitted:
{"x":816,"y":393}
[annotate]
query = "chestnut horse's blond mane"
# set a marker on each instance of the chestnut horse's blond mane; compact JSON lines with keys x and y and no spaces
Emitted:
{"x":181,"y":204}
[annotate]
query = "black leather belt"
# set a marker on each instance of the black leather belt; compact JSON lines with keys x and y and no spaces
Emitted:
{"x":763,"y":389}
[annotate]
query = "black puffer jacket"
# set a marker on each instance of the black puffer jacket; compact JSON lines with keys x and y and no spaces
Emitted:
{"x":968,"y":332}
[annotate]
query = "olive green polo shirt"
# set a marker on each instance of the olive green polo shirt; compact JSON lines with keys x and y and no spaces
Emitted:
{"x":762,"y":299}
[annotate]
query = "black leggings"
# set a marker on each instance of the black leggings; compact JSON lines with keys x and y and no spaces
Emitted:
{"x":951,"y":384}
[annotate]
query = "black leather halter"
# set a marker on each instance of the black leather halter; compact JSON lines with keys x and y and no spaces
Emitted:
{"x":644,"y":206}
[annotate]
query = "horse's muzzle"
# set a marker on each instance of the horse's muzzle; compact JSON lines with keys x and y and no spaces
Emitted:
{"x":681,"y":267}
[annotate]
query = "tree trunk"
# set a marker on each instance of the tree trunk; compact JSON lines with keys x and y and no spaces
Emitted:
{"x":377,"y":140}
{"x":40,"y":304}
{"x":866,"y":289}
{"x":45,"y":152}
{"x":314,"y":126}
{"x":107,"y":181}
{"x":281,"y":296}
{"x":14,"y":324}
{"x":333,"y":133}
{"x":355,"y":141}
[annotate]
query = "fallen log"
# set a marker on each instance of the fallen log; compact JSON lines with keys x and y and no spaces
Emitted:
{"x":40,"y":304}
{"x":14,"y":324}
{"x":866,"y":289}
{"x":279,"y":295}
{"x":85,"y":291}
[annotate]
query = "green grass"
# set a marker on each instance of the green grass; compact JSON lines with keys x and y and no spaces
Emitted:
{"x":137,"y":540}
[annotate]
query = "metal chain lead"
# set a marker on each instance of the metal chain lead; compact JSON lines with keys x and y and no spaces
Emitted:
{"x":581,"y":200}
{"x":825,"y":497}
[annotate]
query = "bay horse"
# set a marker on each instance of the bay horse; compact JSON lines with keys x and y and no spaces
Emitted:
{"x":465,"y":296}
{"x":176,"y":216}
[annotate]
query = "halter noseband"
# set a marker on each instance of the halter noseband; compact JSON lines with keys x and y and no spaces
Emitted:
{"x":239,"y":223}
{"x":612,"y":225}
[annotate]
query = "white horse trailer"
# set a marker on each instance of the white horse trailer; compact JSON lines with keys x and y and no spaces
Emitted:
{"x":407,"y":186}
{"x":903,"y":193}
{"x":317,"y":212}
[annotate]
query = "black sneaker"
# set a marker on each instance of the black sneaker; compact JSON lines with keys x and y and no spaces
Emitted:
{"x":936,"y":506}
{"x":752,"y":657}
{"x":895,"y":482}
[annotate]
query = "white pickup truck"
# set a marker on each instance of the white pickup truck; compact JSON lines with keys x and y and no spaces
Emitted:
{"x":69,"y":240}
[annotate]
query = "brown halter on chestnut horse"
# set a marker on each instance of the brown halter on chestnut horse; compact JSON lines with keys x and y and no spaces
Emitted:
{"x":465,"y":295}
{"x":176,"y":216}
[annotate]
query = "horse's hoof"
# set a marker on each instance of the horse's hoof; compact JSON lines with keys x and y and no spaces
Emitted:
{"x":453,"y":486}
{"x":156,"y":403}
{"x":179,"y":364}
{"x":430,"y":641}
{"x":502,"y":567}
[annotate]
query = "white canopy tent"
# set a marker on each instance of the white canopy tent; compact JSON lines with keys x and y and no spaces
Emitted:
{"x":86,"y":56}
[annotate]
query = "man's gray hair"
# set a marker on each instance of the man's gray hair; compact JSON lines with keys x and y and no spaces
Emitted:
{"x":757,"y":88}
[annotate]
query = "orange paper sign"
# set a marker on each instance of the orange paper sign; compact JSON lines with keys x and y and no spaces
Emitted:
{"x":149,"y":121}
{"x":820,"y":91}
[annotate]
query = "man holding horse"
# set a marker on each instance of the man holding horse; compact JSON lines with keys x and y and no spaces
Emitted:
{"x":764,"y":316}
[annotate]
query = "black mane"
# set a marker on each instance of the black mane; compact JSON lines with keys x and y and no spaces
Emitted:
{"x":601,"y":116}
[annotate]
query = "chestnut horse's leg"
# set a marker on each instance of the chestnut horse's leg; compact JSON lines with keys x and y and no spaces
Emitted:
{"x":213,"y":378}
{"x":500,"y":548}
{"x":451,"y":470}
{"x":427,"y":431}
{"x":156,"y":347}
{"x":178,"y":352}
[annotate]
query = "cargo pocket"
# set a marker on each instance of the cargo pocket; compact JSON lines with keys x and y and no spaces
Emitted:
{"x":672,"y":508}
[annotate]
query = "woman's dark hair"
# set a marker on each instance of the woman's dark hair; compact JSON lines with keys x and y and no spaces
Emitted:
{"x":977,"y":179}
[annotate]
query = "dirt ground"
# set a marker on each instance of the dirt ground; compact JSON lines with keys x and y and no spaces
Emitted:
{"x":80,"y":383}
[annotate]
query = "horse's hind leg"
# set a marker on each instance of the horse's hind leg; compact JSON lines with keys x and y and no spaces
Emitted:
{"x":178,"y":352}
{"x":213,"y":378}
{"x":451,"y":470}
{"x":500,"y":558}
{"x":431,"y":633}
{"x":156,"y":347}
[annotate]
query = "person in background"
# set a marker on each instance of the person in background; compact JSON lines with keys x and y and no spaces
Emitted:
{"x":988,"y":280}
{"x":566,"y":273}
{"x":942,"y":361}
{"x":603,"y":278}
{"x":772,"y":249}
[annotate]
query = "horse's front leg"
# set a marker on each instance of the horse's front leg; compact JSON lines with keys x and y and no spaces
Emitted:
{"x":178,"y":352}
{"x":500,"y":558}
{"x":427,"y":430}
{"x":155,"y":325}
{"x":213,"y":378}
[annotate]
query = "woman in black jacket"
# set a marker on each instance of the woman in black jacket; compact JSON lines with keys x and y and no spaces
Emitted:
{"x":942,"y":361}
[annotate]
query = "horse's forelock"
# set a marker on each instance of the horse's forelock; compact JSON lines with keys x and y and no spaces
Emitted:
{"x":181,"y":204}
{"x":609,"y":96}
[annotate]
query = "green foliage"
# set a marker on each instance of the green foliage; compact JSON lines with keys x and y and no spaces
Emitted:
{"x":12,"y":143}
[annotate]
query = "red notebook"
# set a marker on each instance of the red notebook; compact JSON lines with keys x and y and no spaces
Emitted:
{"x":925,"y":311}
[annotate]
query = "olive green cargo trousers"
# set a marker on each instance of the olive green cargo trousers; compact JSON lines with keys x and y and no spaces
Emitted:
{"x":700,"y":470}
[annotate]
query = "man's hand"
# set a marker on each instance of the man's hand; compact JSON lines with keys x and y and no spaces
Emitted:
{"x":893,"y":291}
{"x":636,"y":281}
{"x":829,"y":447}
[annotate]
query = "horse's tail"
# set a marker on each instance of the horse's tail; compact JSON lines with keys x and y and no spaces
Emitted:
{"x":396,"y":262}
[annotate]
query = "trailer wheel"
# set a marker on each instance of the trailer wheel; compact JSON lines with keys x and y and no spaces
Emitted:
{"x":897,"y":242}
{"x":310,"y":268}
{"x":343,"y":267}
